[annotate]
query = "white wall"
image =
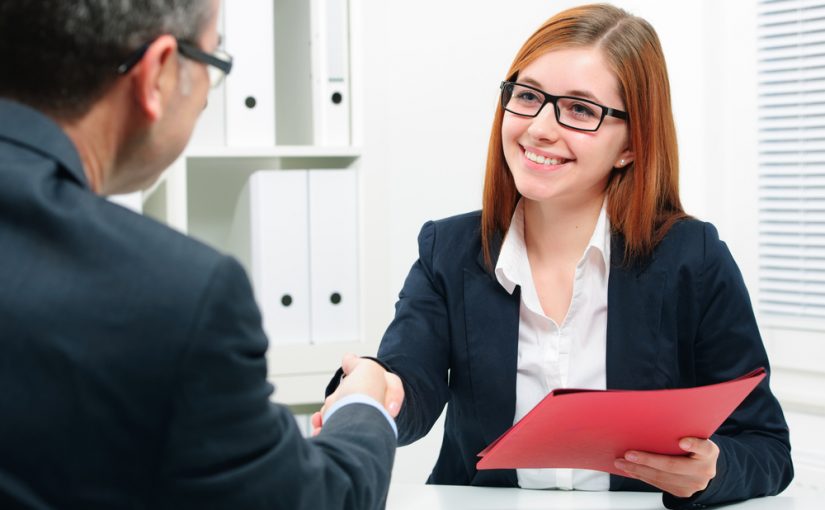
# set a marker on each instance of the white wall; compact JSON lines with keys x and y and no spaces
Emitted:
{"x":428,"y":72}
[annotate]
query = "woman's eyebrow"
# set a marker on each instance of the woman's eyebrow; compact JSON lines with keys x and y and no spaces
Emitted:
{"x":578,"y":93}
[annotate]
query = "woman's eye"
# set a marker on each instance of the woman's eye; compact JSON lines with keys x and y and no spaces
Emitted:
{"x":581,"y":110}
{"x":528,"y":97}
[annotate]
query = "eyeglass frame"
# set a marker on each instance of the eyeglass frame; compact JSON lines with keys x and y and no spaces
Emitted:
{"x":550,"y":98}
{"x":221,"y":60}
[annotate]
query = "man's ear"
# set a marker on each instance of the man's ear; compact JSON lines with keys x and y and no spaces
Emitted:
{"x":155,"y":76}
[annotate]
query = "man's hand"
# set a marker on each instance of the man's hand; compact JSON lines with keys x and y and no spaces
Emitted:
{"x":681,"y":476}
{"x":366,"y":377}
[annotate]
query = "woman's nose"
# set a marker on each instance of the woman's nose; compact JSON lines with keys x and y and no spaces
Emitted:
{"x":544,"y":126}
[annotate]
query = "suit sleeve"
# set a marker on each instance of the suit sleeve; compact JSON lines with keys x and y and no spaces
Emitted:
{"x":754,"y":457}
{"x":416,"y":345}
{"x":230,"y":447}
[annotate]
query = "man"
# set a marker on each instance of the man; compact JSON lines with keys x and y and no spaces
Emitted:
{"x":132,"y":369}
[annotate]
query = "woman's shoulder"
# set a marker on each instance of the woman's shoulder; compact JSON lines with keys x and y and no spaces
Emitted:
{"x":460,"y":223}
{"x":694,"y":240}
{"x":454,"y":234}
{"x":691,"y":230}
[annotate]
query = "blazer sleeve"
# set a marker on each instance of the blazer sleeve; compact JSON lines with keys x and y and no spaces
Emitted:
{"x":416,"y":345}
{"x":754,"y":458}
{"x":229,"y":446}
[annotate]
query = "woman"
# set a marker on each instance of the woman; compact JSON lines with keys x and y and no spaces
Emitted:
{"x":582,"y":270}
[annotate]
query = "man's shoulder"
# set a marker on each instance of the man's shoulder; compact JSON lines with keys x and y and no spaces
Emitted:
{"x":157,"y":249}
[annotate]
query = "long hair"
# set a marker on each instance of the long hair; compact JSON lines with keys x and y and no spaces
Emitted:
{"x":643,"y":197}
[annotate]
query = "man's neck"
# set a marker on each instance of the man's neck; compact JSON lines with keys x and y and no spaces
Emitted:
{"x":95,"y":136}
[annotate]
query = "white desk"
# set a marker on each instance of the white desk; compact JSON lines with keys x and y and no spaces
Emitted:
{"x":448,"y":497}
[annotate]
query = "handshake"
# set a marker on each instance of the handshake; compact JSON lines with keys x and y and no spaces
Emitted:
{"x":366,"y":377}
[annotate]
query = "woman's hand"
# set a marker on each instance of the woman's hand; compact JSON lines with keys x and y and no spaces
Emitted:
{"x":384,"y":387}
{"x":682,"y":476}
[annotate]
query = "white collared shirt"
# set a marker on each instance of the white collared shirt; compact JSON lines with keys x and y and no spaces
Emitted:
{"x":568,"y":355}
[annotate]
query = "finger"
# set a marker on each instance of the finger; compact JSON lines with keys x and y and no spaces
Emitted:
{"x":699,"y":448}
{"x":678,"y":485}
{"x":394,"y":395}
{"x":316,"y":420}
{"x":676,"y":464}
{"x":316,"y":423}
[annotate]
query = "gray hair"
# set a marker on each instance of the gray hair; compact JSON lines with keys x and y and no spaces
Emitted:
{"x":62,"y":55}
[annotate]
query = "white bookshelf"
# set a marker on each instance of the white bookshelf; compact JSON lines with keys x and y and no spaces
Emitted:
{"x":198,"y":193}
{"x":276,"y":152}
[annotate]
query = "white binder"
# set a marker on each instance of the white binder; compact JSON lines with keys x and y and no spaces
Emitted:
{"x":330,"y":68}
{"x":293,"y":79}
{"x":250,"y":88}
{"x":270,"y":236}
{"x":333,"y":242}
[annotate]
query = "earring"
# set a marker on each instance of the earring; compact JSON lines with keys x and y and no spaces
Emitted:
{"x":621,"y":163}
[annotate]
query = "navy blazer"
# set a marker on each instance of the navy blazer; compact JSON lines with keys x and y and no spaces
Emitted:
{"x":682,"y":318}
{"x":132,"y":361}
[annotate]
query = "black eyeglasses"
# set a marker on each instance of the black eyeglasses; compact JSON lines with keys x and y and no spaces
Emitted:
{"x":218,"y":64}
{"x":572,"y":112}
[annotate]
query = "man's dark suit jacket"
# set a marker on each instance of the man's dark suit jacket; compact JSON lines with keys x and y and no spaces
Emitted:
{"x":682,"y":318}
{"x":132,"y":368}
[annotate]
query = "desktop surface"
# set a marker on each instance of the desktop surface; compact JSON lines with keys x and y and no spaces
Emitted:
{"x":404,"y":496}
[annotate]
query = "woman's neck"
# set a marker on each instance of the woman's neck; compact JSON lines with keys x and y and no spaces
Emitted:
{"x":556,"y":231}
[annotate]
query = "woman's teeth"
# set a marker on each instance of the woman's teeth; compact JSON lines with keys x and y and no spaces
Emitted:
{"x":541,"y":160}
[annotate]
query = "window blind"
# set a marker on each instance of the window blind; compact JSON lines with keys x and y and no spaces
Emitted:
{"x":791,"y":142}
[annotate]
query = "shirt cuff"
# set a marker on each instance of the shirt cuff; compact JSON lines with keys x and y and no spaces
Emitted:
{"x":360,"y":398}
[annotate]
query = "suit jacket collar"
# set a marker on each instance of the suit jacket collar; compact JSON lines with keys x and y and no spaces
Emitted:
{"x":29,"y":128}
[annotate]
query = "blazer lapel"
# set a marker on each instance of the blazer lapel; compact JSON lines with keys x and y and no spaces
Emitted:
{"x":491,"y":321}
{"x":634,"y":311}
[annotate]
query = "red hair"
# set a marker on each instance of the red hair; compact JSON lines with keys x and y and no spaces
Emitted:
{"x":643,"y":197}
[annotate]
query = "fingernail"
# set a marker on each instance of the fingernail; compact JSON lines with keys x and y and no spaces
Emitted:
{"x":685,"y":444}
{"x":619,"y":463}
{"x":632,"y":457}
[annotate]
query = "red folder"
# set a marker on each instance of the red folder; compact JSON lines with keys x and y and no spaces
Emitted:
{"x":589,"y":429}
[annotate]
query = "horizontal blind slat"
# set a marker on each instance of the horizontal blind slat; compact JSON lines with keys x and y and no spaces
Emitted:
{"x":768,"y":9}
{"x":769,"y":68}
{"x":816,"y":10}
{"x":789,"y":40}
{"x":811,"y":25}
{"x":791,"y":98}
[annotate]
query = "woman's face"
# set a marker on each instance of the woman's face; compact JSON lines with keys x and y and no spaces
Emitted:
{"x":551,"y":162}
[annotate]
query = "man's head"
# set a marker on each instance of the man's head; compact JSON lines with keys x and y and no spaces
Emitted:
{"x":63,"y":58}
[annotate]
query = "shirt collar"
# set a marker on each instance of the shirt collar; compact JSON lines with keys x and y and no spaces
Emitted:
{"x":600,"y":240}
{"x":32,"y":129}
{"x":512,"y":260}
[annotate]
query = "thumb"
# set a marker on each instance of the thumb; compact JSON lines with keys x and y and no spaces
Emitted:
{"x":394,"y":396}
{"x":349,"y":362}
